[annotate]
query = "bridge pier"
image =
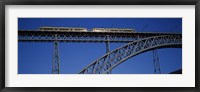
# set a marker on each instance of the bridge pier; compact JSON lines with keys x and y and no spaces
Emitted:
{"x":156,"y":62}
{"x":107,"y":51}
{"x":56,"y":57}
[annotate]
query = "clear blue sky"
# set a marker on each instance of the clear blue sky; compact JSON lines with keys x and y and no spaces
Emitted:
{"x":36,"y":57}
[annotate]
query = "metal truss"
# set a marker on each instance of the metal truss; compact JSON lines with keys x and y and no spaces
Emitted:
{"x":129,"y":50}
{"x":49,"y":36}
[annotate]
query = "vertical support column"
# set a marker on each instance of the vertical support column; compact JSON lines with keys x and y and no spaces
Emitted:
{"x":107,"y":46}
{"x":107,"y":51}
{"x":156,"y":62}
{"x":56,"y":57}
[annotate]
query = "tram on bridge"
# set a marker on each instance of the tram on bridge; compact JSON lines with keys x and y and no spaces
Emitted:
{"x":78,"y":29}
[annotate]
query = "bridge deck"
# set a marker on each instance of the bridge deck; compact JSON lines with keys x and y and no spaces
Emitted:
{"x":63,"y":36}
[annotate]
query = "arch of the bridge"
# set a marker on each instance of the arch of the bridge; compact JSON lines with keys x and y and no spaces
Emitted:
{"x":112,"y":59}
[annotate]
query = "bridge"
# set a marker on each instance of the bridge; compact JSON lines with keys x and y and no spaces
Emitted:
{"x":137,"y":43}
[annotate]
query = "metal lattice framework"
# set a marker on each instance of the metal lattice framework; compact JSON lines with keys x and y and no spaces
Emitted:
{"x":49,"y":36}
{"x":129,"y":50}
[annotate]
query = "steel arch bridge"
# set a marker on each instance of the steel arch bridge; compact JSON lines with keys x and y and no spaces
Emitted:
{"x":110,"y":60}
{"x":138,"y":42}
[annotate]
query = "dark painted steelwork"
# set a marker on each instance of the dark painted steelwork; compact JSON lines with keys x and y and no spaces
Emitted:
{"x":129,"y":50}
{"x":156,"y":62}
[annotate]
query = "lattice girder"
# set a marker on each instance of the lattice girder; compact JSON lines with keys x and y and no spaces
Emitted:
{"x":49,"y":36}
{"x":131,"y":49}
